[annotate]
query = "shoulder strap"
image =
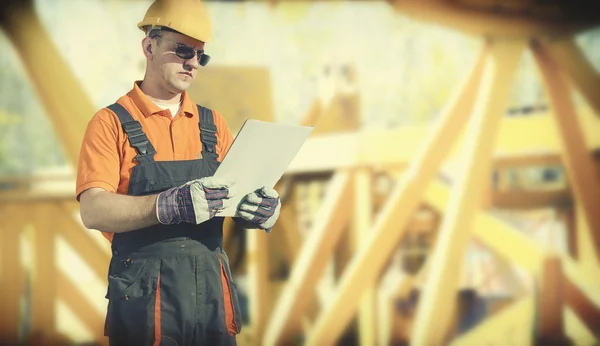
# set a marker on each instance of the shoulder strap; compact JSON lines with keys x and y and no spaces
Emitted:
{"x":208,"y":130}
{"x":135,"y":134}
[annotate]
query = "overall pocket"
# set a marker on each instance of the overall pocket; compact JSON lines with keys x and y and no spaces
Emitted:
{"x":132,"y":286}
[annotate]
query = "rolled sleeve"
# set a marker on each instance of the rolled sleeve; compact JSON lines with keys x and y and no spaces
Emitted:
{"x":99,"y":163}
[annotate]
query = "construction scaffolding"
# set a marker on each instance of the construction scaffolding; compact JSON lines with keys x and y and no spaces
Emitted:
{"x":411,"y":235}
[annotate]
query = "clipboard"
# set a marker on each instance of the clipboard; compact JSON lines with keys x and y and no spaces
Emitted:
{"x":259,"y":156}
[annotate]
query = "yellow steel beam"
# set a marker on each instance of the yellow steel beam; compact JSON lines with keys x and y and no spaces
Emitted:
{"x":63,"y":97}
{"x":11,"y":272}
{"x":76,"y":301}
{"x":44,"y":279}
{"x":566,"y":214}
{"x":25,"y":197}
{"x":438,"y":300}
{"x":579,"y":163}
{"x":486,"y":23}
{"x":287,"y":225}
{"x":586,"y":306}
{"x":37,"y":178}
{"x":578,"y":67}
{"x":524,"y":160}
{"x":389,"y":226}
{"x":515,"y":246}
{"x":577,"y":330}
{"x":510,"y":244}
{"x":86,"y":247}
{"x":515,"y":146}
{"x":515,"y":137}
{"x":258,"y":274}
{"x":328,"y":225}
{"x":361,"y":225}
{"x":520,"y":199}
{"x":586,"y":253}
{"x":549,"y":303}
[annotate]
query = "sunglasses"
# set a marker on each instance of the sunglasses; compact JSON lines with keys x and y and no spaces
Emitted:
{"x":186,"y":52}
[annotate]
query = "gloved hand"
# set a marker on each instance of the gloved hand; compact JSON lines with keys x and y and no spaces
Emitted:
{"x":196,"y":201}
{"x":261,"y":208}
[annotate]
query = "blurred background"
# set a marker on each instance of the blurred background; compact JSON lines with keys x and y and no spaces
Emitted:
{"x":448,"y":195}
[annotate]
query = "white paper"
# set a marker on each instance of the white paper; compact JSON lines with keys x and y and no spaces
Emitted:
{"x":259,"y":156}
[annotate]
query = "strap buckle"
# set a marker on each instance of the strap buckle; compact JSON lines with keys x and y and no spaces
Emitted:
{"x":131,"y":126}
{"x":209,"y":128}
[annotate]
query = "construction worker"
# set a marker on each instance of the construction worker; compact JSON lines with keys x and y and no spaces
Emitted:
{"x":145,"y":179}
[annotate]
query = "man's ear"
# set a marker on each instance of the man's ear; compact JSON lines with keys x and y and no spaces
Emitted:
{"x":147,"y":47}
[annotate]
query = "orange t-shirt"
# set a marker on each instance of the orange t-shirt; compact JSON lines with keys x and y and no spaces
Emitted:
{"x":106,"y":158}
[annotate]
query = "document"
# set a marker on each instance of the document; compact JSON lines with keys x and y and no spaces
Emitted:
{"x":259,"y":156}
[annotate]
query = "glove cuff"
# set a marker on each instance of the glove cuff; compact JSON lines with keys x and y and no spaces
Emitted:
{"x":167,"y":210}
{"x":175,"y":205}
{"x":185,"y":205}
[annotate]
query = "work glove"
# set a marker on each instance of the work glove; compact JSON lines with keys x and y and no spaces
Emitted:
{"x":260,"y":208}
{"x":196,"y":201}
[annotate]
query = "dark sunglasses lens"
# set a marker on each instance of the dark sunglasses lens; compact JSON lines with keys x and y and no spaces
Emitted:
{"x":204,"y":59}
{"x":185,"y":52}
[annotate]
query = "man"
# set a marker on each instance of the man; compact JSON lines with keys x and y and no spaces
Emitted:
{"x":145,"y":179}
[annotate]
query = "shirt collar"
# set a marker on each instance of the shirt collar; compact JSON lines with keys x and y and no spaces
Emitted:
{"x":148,"y":108}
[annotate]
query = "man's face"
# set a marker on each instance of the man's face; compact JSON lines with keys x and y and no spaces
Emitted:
{"x":177,"y":73}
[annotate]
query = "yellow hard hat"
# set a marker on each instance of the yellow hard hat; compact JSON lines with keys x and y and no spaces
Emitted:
{"x":189,"y":17}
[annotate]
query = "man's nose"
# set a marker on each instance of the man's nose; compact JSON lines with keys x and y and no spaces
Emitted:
{"x":193,"y":62}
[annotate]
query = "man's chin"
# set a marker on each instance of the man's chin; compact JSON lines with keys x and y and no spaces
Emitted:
{"x":181,"y":86}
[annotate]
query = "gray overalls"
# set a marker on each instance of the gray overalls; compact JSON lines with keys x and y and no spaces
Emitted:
{"x":164,"y":282}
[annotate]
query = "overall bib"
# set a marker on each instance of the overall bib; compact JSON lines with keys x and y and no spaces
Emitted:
{"x":170,"y":284}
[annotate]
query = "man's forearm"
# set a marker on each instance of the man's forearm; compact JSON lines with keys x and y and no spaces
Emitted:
{"x":110,"y":212}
